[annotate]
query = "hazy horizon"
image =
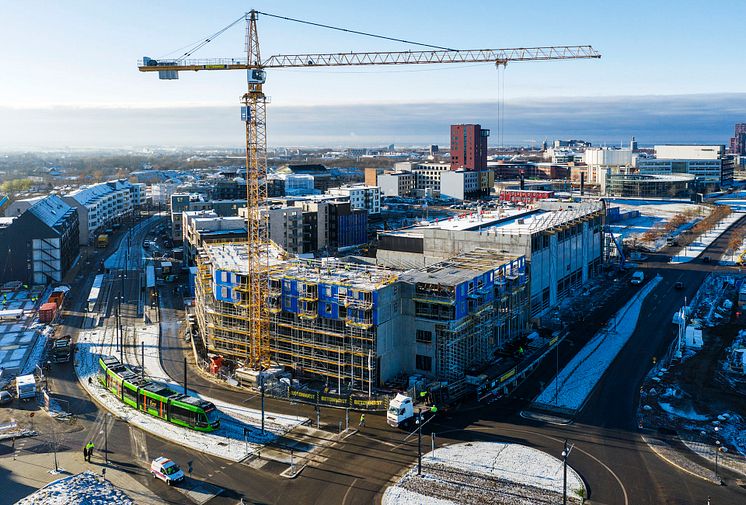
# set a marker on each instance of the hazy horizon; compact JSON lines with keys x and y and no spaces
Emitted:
{"x":701,"y":118}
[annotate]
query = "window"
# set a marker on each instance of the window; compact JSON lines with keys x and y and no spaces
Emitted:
{"x":130,"y":394}
{"x":424,"y":336}
{"x":424,"y":363}
{"x":181,"y":414}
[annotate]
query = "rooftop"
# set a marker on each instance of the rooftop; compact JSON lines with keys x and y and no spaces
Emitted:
{"x":462,"y":268}
{"x":50,"y":210}
{"x":512,"y":221}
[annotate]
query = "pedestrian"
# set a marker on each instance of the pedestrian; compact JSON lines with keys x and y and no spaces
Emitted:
{"x":89,"y":450}
{"x":85,"y":452}
{"x":362,"y":421}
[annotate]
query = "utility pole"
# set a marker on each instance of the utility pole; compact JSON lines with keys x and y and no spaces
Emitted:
{"x":261,"y":378}
{"x":142,"y":359}
{"x":186,"y":392}
{"x":419,"y":442}
{"x":565,"y":454}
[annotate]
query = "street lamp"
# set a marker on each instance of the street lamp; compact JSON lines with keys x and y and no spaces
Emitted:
{"x":420,"y":424}
{"x":106,"y":437}
{"x":717,"y":449}
{"x":565,"y":453}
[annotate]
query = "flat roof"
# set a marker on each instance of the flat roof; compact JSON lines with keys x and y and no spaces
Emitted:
{"x":458,"y":269}
{"x":515,"y":221}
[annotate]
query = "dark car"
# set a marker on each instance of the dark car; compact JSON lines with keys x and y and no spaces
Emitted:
{"x":705,"y":259}
{"x":678,"y":285}
{"x":5,"y":398}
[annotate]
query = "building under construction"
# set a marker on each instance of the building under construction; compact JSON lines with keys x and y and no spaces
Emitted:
{"x":355,"y":326}
{"x":464,"y":309}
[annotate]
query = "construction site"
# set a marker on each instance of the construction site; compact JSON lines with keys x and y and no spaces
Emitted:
{"x":358,"y":327}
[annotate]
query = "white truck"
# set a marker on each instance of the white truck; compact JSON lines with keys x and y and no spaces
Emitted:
{"x":25,"y":387}
{"x":401,"y":411}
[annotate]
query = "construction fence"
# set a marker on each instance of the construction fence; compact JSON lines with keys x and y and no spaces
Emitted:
{"x":283,"y":391}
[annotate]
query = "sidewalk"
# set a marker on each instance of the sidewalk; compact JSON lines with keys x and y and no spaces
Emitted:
{"x":29,"y":472}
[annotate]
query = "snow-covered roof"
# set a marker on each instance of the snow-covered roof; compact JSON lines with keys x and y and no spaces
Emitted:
{"x":88,"y":194}
{"x":50,"y":210}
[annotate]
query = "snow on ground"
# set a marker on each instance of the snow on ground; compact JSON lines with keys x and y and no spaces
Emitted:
{"x":227,"y":442}
{"x":570,"y":389}
{"x":652,"y":213}
{"x":84,"y":488}
{"x":688,"y":413}
{"x":703,"y":241}
{"x":482,"y":473}
{"x":279,"y":423}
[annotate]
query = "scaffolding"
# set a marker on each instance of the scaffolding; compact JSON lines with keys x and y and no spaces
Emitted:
{"x":323,"y":313}
{"x":478,"y":302}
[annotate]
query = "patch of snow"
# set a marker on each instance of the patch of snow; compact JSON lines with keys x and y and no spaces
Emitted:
{"x":239,"y":435}
{"x":484,"y":472}
{"x":689,"y":413}
{"x":570,"y":389}
{"x":706,"y":239}
{"x":84,"y":488}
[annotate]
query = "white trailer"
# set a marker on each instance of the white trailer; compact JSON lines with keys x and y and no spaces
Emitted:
{"x":25,"y":387}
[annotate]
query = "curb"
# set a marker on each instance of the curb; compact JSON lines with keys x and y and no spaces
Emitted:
{"x":673,"y":463}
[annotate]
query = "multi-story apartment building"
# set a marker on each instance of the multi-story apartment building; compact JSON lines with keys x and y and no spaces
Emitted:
{"x":360,"y":196}
{"x":100,"y":205}
{"x":41,"y":244}
{"x":397,"y":183}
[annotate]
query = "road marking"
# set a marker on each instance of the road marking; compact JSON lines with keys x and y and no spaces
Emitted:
{"x":616,"y":477}
{"x":352,"y":486}
{"x":139,"y":444}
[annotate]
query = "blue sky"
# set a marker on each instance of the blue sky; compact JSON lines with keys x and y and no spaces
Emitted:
{"x":82,"y":54}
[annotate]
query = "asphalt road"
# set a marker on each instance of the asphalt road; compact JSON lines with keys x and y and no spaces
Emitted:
{"x":617,"y":465}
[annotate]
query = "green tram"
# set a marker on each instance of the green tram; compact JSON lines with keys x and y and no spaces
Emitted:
{"x":157,"y":400}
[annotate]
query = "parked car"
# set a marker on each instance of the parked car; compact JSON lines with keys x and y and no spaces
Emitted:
{"x":705,"y":259}
{"x":5,"y":398}
{"x":678,"y":285}
{"x":637,"y":277}
{"x":166,"y":470}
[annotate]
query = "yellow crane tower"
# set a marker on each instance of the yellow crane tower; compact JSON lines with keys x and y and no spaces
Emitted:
{"x":254,"y":113}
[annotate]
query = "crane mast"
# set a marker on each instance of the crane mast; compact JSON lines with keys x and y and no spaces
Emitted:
{"x":254,"y":114}
{"x":254,"y":104}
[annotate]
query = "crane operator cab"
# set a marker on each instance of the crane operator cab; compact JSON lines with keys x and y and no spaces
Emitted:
{"x":256,"y":76}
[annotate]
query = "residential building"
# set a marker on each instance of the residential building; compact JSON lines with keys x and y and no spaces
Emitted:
{"x":738,"y":141}
{"x":526,"y":196}
{"x":205,"y":227}
{"x":182,"y":202}
{"x":286,"y":228}
{"x":99,"y":206}
{"x":41,"y":244}
{"x":460,"y":184}
{"x":322,"y":177}
{"x":360,"y":196}
{"x":18,"y":207}
{"x":397,"y":183}
{"x":469,"y":147}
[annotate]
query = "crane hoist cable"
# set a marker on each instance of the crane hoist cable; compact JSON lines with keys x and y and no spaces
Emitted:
{"x":366,"y":34}
{"x":203,"y":42}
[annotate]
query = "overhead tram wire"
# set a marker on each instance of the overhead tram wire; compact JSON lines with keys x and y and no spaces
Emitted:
{"x":366,"y":34}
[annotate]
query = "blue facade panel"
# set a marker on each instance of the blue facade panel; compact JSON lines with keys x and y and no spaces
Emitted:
{"x":352,"y":229}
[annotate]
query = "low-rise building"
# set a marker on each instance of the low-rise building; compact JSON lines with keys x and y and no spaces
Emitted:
{"x":649,"y":186}
{"x":205,"y":227}
{"x":708,"y":163}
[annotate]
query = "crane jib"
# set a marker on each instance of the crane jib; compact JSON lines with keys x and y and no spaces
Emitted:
{"x":500,"y":56}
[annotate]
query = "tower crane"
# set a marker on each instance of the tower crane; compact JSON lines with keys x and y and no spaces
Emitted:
{"x":253,"y":113}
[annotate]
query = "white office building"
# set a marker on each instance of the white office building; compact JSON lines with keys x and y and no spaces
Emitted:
{"x":707,"y":163}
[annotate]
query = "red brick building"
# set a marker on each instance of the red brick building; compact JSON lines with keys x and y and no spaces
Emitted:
{"x":469,"y":147}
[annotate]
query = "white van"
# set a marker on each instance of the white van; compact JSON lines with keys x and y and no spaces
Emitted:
{"x":637,"y":277}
